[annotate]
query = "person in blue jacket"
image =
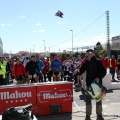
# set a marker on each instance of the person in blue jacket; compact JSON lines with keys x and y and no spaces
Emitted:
{"x":41,"y":65}
{"x":56,"y":67}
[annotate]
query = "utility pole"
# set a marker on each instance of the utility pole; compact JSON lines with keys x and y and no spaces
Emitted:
{"x":108,"y":35}
{"x":49,"y":49}
{"x":34,"y":49}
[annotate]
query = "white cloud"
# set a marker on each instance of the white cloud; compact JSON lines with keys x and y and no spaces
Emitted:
{"x":9,"y":24}
{"x":60,"y":22}
{"x":42,"y":30}
{"x":38,"y":31}
{"x":5,"y":25}
{"x":89,"y":41}
{"x":21,"y":17}
{"x":35,"y":31}
{"x":2,"y":25}
{"x":94,"y":39}
{"x":38,"y":24}
{"x":86,"y":41}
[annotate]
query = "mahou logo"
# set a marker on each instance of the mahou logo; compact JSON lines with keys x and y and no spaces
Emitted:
{"x":14,"y":95}
{"x":45,"y":96}
{"x":55,"y":95}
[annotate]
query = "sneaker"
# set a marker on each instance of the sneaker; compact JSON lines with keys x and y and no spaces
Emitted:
{"x":113,"y":80}
{"x":87,"y":117}
{"x":82,"y":89}
{"x":118,"y":77}
{"x":100,"y":117}
{"x":77,"y":85}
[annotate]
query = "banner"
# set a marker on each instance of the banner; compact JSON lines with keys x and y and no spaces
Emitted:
{"x":17,"y":96}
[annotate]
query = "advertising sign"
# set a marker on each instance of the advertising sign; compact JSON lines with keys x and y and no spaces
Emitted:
{"x":17,"y":96}
{"x":54,"y":94}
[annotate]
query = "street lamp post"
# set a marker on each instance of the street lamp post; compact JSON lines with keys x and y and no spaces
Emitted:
{"x":34,"y":48}
{"x":72,"y":42}
{"x":44,"y":46}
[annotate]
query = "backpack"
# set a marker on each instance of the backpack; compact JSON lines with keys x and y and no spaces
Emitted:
{"x":17,"y":113}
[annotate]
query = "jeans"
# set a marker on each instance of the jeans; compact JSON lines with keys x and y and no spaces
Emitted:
{"x":112,"y":72}
{"x":1,"y":80}
{"x":7,"y":81}
{"x":40,"y":75}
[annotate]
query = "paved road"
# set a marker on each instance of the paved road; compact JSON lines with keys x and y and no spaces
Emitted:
{"x":112,"y":96}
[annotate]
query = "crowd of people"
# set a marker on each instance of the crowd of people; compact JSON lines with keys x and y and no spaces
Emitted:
{"x":42,"y":69}
{"x":113,"y":64}
{"x":37,"y":69}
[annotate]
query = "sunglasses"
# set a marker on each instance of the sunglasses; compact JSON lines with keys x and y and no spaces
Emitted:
{"x":89,"y":52}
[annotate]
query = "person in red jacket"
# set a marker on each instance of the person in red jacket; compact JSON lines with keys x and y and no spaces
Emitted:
{"x":118,"y":67}
{"x":106,"y":62}
{"x":45,"y":69}
{"x":112,"y":66}
{"x":19,"y":71}
{"x":102,"y":58}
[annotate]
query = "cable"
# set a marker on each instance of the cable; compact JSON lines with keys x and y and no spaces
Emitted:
{"x":81,"y":30}
{"x":88,"y":25}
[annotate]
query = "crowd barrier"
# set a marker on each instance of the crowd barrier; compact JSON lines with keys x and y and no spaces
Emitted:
{"x":46,"y":98}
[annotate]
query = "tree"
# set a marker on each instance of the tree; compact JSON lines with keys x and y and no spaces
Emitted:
{"x":98,"y":47}
{"x":101,"y":52}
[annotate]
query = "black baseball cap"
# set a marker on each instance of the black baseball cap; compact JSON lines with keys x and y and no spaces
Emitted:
{"x":90,"y":51}
{"x":32,"y":56}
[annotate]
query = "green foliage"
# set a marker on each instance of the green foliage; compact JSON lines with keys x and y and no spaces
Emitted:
{"x":76,"y":54}
{"x":37,"y":55}
{"x":52,"y":54}
{"x":64,"y":56}
{"x":101,"y":52}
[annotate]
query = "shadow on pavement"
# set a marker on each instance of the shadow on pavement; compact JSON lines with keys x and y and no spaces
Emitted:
{"x":109,"y":91}
{"x":83,"y":96}
{"x":67,"y":116}
{"x":77,"y":89}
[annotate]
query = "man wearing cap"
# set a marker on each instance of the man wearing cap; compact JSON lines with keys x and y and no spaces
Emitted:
{"x":31,"y":70}
{"x":94,"y":71}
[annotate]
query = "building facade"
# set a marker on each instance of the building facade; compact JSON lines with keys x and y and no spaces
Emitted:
{"x":1,"y":48}
{"x":115,"y":43}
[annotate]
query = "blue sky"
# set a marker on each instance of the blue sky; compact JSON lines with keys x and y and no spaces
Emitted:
{"x":24,"y":24}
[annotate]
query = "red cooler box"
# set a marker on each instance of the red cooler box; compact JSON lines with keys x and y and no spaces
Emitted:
{"x":54,"y":98}
{"x":17,"y":95}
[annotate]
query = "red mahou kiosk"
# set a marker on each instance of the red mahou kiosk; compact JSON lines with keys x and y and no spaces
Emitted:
{"x":46,"y":98}
{"x":54,"y":98}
